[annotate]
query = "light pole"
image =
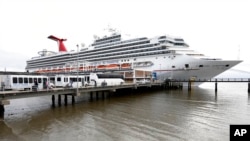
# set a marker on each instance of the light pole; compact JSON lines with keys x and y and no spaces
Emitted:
{"x":77,"y":68}
{"x":160,"y":73}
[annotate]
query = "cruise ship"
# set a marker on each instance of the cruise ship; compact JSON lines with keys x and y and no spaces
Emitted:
{"x":166,"y":57}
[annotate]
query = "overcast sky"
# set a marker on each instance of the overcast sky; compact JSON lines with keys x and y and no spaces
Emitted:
{"x":219,"y":28}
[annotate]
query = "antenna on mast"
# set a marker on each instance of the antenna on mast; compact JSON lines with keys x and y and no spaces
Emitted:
{"x":61,"y":46}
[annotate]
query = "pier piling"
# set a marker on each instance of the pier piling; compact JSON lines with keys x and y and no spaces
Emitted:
{"x":97,"y":95}
{"x":73,"y":99}
{"x":1,"y":108}
{"x":59,"y":100}
{"x":216,"y":85}
{"x":53,"y":100}
{"x":189,"y":85}
{"x":65,"y":100}
{"x":109,"y":94}
{"x":1,"y":112}
{"x":103,"y":95}
{"x":248,"y":86}
{"x":91,"y":95}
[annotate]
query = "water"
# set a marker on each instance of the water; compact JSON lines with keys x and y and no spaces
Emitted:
{"x":150,"y":115}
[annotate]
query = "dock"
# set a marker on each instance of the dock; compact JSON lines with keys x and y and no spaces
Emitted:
{"x":6,"y":96}
{"x":174,"y":83}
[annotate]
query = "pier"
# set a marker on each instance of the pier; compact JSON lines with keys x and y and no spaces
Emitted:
{"x":6,"y":96}
{"x":105,"y":91}
{"x":179,"y":82}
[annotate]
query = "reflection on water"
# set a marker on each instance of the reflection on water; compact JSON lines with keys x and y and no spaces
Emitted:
{"x":150,"y":115}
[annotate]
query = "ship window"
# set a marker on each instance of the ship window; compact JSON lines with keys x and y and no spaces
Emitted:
{"x":173,"y":66}
{"x":200,"y":66}
{"x":187,"y":65}
{"x":227,"y":65}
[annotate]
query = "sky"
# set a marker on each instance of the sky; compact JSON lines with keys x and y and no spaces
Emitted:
{"x":218,"y":28}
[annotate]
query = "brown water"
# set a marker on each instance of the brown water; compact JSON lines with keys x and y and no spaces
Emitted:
{"x":143,"y":116}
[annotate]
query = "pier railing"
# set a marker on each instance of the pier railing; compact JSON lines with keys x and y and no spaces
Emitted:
{"x":212,"y":80}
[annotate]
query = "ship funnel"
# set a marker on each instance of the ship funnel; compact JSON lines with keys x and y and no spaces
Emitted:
{"x":62,"y":47}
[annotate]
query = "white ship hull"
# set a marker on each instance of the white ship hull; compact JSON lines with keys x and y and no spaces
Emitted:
{"x":197,"y":68}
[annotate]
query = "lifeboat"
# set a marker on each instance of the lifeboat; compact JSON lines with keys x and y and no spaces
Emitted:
{"x":67,"y":69}
{"x":46,"y":71}
{"x":81,"y":68}
{"x":125,"y":66}
{"x":54,"y":70}
{"x":101,"y":67}
{"x":42,"y":71}
{"x":113,"y":66}
{"x":38,"y":71}
{"x":60,"y":69}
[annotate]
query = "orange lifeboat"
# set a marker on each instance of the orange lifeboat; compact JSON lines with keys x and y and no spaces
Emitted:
{"x":125,"y":66}
{"x":101,"y":67}
{"x":46,"y":71}
{"x":42,"y":71}
{"x":38,"y":71}
{"x":60,"y":69}
{"x":67,"y":69}
{"x":54,"y":70}
{"x":113,"y":66}
{"x":81,"y":68}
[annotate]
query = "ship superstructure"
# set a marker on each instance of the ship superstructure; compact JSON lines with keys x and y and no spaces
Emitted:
{"x":167,"y":57}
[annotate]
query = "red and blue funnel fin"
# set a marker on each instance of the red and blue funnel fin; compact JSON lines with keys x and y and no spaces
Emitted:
{"x":62,"y":47}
